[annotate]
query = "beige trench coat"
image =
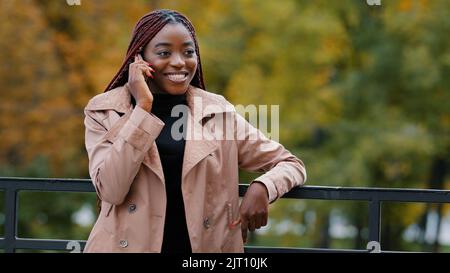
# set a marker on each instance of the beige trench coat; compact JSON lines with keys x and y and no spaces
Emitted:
{"x":126,"y":171}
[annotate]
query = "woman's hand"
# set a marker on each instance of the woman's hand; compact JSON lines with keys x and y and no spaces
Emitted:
{"x":254,"y":209}
{"x":137,"y":84}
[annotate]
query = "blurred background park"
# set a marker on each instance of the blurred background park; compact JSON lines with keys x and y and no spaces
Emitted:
{"x":364,"y":95}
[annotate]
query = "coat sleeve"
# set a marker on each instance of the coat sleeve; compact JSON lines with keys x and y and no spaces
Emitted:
{"x":114,"y":165}
{"x":256,"y":153}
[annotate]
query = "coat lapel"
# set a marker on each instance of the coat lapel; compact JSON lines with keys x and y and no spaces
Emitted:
{"x":199,"y":144}
{"x":199,"y":141}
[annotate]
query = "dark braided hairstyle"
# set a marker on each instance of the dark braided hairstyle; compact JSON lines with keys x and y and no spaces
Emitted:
{"x":144,"y":31}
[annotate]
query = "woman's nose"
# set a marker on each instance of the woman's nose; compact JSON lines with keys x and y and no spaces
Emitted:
{"x":177,"y":60}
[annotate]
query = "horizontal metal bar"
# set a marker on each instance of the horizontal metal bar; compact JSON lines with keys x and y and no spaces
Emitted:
{"x":304,"y":192}
{"x":367,"y":194}
{"x":47,"y":244}
{"x":47,"y":184}
{"x":364,"y":194}
{"x":253,"y":249}
{"x":259,"y":249}
{"x":62,"y":245}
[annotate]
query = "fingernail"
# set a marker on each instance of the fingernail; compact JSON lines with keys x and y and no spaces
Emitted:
{"x":235,"y":223}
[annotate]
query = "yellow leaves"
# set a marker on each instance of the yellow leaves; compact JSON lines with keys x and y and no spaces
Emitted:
{"x":408,"y":5}
{"x":420,"y":69}
{"x":271,"y":15}
{"x":329,"y":106}
{"x":247,"y":86}
{"x":332,"y":48}
{"x":393,"y":170}
{"x":445,"y":121}
{"x":405,"y":5}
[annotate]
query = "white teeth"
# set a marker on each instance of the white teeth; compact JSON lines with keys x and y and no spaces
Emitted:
{"x":177,"y":77}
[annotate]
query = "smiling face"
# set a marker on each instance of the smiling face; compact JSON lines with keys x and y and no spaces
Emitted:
{"x":172,"y":55}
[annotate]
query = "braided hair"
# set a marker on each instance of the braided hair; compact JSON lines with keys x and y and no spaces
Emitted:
{"x":144,"y":31}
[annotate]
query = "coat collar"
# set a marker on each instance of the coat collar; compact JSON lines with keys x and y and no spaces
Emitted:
{"x":201,"y":103}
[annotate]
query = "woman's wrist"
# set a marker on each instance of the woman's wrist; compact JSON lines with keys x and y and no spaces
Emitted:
{"x":261,"y":188}
{"x":146,"y":105}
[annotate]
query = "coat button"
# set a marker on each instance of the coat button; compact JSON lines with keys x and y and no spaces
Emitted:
{"x":123,"y":243}
{"x":132,"y":208}
{"x":206,"y":223}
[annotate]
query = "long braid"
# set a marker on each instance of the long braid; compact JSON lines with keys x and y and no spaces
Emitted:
{"x":144,"y":31}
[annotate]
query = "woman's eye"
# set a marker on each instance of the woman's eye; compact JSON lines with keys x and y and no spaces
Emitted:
{"x":190,"y":52}
{"x":164,"y":53}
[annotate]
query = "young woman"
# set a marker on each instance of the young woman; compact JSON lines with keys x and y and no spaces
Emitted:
{"x":161,"y":192}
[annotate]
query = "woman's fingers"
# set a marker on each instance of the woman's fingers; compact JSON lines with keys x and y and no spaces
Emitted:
{"x":235,"y":223}
{"x":142,"y":69}
{"x":139,"y":70}
{"x":138,"y":60}
{"x":251,"y":224}
{"x":244,"y":228}
{"x":265,"y":218}
{"x":148,"y":72}
{"x":262,"y":219}
{"x":146,"y":65}
{"x":258,"y":221}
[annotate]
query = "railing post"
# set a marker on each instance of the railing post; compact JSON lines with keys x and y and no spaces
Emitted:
{"x":374,"y":220}
{"x":10,"y":220}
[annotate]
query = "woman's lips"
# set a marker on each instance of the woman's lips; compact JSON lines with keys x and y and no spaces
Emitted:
{"x":179,"y":77}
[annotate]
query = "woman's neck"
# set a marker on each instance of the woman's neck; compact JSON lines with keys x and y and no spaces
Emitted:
{"x":163,"y":103}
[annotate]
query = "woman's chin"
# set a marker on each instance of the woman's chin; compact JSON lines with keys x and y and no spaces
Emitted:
{"x":168,"y":89}
{"x":176,"y":91}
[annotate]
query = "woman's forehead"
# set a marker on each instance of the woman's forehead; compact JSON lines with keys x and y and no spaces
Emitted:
{"x":172,"y":34}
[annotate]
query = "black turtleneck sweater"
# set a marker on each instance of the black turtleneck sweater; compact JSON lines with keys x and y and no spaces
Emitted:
{"x":171,"y":152}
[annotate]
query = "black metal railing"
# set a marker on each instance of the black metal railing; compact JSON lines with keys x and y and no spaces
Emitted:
{"x":374,"y":196}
